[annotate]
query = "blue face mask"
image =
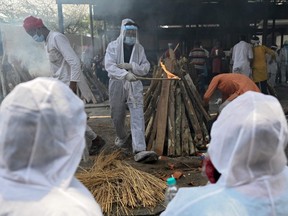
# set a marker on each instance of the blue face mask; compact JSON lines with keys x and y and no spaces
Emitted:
{"x":38,"y":38}
{"x":130,"y":40}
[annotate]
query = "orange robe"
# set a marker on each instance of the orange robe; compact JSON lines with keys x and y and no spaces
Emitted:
{"x":231,"y":85}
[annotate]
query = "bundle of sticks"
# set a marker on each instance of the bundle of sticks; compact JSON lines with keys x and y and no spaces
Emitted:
{"x":175,"y":119}
{"x":119,"y":188}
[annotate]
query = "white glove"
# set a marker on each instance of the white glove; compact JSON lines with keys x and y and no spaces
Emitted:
{"x":125,"y":66}
{"x":130,"y":77}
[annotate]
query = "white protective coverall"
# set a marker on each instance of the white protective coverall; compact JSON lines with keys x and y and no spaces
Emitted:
{"x":122,"y":91}
{"x":241,"y":54}
{"x":42,"y":126}
{"x":247,"y":148}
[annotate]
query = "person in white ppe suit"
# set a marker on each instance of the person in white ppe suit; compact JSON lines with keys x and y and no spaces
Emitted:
{"x":247,"y":149}
{"x":42,"y":127}
{"x":125,"y":59}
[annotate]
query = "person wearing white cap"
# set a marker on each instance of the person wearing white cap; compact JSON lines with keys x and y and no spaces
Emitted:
{"x":42,"y":138}
{"x":283,"y":55}
{"x":125,"y":59}
{"x":250,"y":173}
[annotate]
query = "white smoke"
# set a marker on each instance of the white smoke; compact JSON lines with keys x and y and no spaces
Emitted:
{"x":21,"y":48}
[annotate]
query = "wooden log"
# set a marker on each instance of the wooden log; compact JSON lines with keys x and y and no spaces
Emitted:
{"x":191,"y":113}
{"x":192,"y":148}
{"x":162,"y":117}
{"x":185,"y":132}
{"x":4,"y":89}
{"x":156,"y":73}
{"x":162,"y":110}
{"x":171,"y":120}
{"x":150,"y":141}
{"x":149,"y":125}
{"x":156,"y":79}
{"x":206,"y":133}
{"x":152,"y":105}
{"x":85,"y":91}
{"x":178,"y":122}
{"x":20,"y":70}
{"x":97,"y":88}
{"x":191,"y":88}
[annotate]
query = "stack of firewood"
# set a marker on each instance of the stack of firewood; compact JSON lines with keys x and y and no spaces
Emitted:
{"x":99,"y":92}
{"x":175,"y":119}
{"x":10,"y":76}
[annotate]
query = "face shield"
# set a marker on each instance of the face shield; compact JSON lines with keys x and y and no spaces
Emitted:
{"x":129,"y":34}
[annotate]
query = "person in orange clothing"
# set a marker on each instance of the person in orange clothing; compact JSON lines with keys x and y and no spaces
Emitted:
{"x":231,"y":85}
{"x":259,"y":64}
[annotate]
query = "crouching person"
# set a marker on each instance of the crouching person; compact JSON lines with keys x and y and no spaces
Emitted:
{"x":42,"y":127}
{"x":247,"y":151}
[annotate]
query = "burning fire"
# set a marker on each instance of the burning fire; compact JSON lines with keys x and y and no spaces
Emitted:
{"x":169,"y":74}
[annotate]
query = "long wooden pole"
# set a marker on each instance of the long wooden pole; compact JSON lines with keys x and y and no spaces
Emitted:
{"x":152,"y":78}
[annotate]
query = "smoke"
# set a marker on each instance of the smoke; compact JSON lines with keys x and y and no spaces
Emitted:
{"x":20,"y":48}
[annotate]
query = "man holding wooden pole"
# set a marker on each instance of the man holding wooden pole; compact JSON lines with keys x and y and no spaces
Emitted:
{"x":125,"y":60}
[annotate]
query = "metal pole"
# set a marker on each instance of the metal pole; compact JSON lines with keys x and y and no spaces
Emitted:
{"x":60,"y":18}
{"x":92,"y":28}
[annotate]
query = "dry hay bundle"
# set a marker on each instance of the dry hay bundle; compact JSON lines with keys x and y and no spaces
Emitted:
{"x":118,"y":186}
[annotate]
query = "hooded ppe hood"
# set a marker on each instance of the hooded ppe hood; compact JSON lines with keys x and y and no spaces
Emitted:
{"x":120,"y":40}
{"x":248,"y":140}
{"x":123,"y":29}
{"x":42,"y":126}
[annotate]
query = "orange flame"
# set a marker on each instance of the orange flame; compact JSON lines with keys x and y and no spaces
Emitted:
{"x":169,"y":74}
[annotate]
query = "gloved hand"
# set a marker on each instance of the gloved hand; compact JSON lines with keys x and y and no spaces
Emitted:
{"x":130,"y":77}
{"x":125,"y":66}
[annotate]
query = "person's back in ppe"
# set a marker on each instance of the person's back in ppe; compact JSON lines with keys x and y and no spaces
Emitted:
{"x":247,"y":148}
{"x":42,"y":126}
{"x":125,"y":59}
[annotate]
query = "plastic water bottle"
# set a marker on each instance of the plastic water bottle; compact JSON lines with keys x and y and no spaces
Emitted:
{"x":171,"y":190}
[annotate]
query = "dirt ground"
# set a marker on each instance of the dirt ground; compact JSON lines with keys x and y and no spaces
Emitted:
{"x":188,"y":167}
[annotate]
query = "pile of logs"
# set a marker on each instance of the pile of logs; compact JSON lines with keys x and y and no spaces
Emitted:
{"x":10,"y":76}
{"x":99,"y":92}
{"x":175,"y":120}
{"x":90,"y":89}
